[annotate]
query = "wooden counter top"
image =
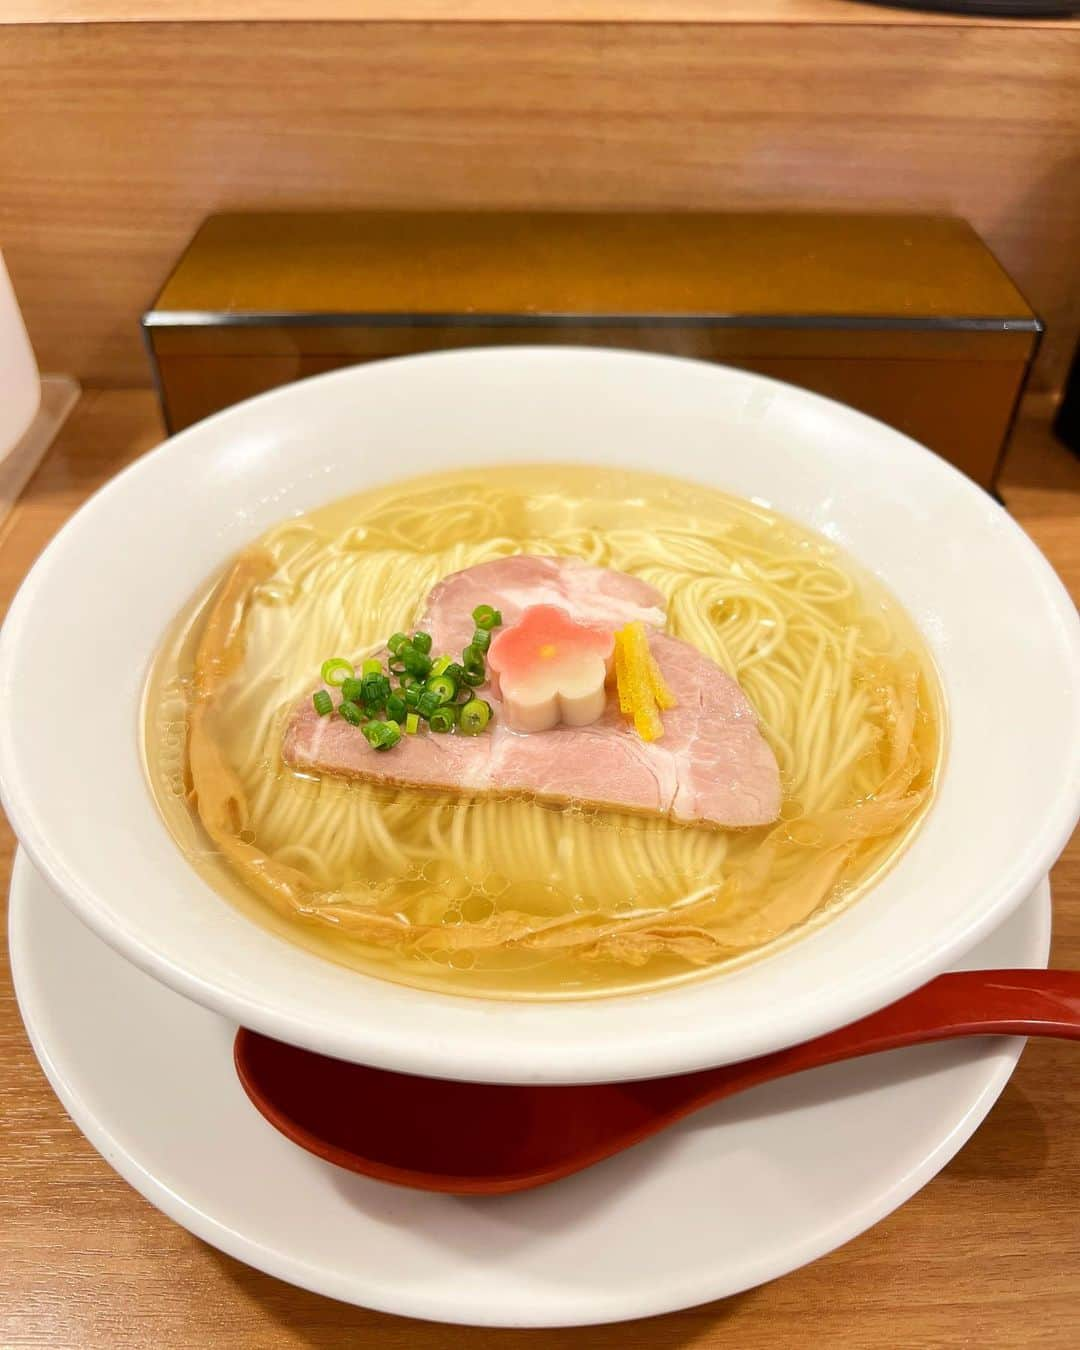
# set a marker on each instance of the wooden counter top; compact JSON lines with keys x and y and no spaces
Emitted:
{"x":988,"y":1254}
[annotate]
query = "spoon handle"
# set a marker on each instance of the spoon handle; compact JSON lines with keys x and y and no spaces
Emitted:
{"x":965,"y":1003}
{"x":968,"y":1003}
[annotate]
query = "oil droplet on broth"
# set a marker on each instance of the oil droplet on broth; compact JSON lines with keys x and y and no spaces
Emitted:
{"x":477,"y":908}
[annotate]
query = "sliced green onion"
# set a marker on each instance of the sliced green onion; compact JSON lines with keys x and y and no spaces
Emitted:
{"x":482,"y":639}
{"x":351,"y":713}
{"x":440,"y":665}
{"x":428,"y":702}
{"x":443,"y":686}
{"x":412,"y":724}
{"x":474,"y":717}
{"x":352,"y":689}
{"x":412,"y":695}
{"x":453,"y":672}
{"x":376,"y":689}
{"x":372,"y":667}
{"x":396,"y":667}
{"x":323,"y":702}
{"x":336,"y":671}
{"x":416,"y":663}
{"x":442,"y":719}
{"x":486,"y":617}
{"x":382,"y":735}
{"x":472,"y":658}
{"x":396,"y":708}
{"x":396,"y":643}
{"x":422,"y":642}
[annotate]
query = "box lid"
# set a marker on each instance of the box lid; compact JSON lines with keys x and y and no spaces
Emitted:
{"x":745,"y":269}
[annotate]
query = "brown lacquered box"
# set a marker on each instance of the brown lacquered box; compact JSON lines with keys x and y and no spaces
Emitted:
{"x":909,"y":318}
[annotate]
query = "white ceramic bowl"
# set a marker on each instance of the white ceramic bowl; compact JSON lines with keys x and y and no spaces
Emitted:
{"x":79,"y":638}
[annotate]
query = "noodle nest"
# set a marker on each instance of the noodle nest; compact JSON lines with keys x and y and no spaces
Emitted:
{"x":842,"y":697}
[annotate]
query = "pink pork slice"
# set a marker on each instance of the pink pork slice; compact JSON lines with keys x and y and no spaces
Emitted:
{"x":711,"y":766}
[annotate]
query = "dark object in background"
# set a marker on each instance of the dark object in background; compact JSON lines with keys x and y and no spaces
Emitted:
{"x":1067,"y":421}
{"x":908,"y":318}
{"x":1014,"y":9}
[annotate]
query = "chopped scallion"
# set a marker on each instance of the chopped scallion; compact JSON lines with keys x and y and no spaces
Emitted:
{"x":428,"y":702}
{"x":474,"y":717}
{"x":336,"y":671}
{"x":376,"y":690}
{"x":442,"y":719}
{"x":436,"y":690}
{"x":472,"y":658}
{"x":443,"y":686}
{"x":352,"y":689}
{"x":382,"y":735}
{"x":416,"y":663}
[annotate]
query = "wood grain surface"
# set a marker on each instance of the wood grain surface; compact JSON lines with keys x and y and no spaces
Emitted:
{"x":987,"y":1255}
{"x":116,"y":140}
{"x":515,"y":11}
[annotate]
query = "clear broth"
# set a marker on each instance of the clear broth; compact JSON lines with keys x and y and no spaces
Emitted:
{"x":737,"y":575}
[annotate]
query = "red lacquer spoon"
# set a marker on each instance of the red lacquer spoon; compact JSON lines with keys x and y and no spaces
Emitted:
{"x":483,"y":1139}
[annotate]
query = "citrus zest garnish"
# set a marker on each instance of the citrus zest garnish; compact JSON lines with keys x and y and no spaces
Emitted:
{"x":641,"y":687}
{"x":665,"y":699}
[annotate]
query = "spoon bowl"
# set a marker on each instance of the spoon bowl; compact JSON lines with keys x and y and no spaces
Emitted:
{"x":493,"y":1139}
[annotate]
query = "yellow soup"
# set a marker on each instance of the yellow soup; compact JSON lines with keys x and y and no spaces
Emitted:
{"x":514,"y":898}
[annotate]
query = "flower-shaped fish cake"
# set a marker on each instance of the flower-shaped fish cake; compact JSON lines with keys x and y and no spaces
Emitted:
{"x":549,"y":669}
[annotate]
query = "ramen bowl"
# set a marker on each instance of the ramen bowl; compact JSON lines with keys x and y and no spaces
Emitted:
{"x":82,"y":633}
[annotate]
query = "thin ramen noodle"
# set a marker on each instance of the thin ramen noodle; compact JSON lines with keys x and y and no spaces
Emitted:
{"x":520,"y":898}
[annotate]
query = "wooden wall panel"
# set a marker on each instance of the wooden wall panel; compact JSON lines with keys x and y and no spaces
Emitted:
{"x":115,"y":140}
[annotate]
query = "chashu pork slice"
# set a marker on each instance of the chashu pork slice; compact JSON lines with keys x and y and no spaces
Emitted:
{"x":711,"y":766}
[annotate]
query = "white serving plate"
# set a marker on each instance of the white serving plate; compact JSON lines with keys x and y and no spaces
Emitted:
{"x":81,"y":633}
{"x":742,"y":1193}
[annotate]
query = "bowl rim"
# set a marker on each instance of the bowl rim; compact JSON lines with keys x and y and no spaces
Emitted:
{"x":573,"y":1064}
